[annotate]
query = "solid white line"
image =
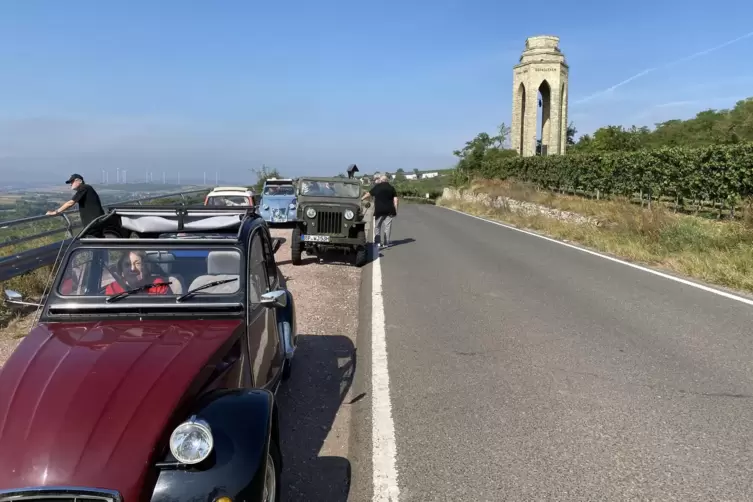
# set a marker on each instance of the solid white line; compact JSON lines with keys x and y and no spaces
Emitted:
{"x":384,"y":449}
{"x":719,"y":292}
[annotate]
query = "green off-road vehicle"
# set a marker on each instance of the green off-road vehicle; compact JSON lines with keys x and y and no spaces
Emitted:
{"x":330,"y":215}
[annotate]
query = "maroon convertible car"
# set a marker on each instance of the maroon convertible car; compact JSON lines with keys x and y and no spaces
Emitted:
{"x":152,"y":372}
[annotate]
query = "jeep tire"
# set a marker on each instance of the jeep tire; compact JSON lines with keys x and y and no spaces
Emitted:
{"x":295,"y":246}
{"x":362,"y":250}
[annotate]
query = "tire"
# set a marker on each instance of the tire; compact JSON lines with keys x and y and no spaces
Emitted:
{"x":275,"y":457}
{"x":361,"y":251}
{"x":295,"y":246}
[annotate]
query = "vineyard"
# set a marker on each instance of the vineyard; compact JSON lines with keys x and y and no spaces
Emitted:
{"x":721,"y":174}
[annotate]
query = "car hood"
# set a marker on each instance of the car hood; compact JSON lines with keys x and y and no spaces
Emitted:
{"x":86,"y":404}
{"x":330,"y":203}
{"x":277,"y":201}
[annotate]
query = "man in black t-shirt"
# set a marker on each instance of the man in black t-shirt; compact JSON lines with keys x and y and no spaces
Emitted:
{"x":385,"y":208}
{"x":89,"y":205}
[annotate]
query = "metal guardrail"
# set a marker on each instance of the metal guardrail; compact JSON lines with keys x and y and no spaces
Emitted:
{"x":32,"y":259}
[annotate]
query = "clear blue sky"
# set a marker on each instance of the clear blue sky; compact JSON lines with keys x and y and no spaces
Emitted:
{"x":312,"y":86}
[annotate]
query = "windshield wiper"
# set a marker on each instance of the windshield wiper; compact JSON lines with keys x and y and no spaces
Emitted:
{"x":208,"y":285}
{"x":129,"y":292}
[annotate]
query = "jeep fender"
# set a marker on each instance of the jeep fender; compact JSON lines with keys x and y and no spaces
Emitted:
{"x":242,"y":423}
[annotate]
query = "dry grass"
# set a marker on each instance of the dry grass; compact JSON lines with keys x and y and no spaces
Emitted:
{"x":713,"y":251}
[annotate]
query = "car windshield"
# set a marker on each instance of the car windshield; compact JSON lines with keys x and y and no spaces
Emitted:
{"x":153,"y":271}
{"x":330,"y":189}
{"x":228,"y":200}
{"x":279,"y":190}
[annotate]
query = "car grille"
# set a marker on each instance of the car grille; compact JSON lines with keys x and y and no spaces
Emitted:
{"x":58,"y":495}
{"x":329,"y":222}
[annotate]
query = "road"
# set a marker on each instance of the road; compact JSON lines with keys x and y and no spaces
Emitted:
{"x":520,"y":369}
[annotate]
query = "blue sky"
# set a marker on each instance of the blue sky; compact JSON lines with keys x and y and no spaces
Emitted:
{"x":311,"y":87}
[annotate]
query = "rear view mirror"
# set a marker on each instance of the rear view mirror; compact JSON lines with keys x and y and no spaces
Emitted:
{"x":11,"y":296}
{"x":275,"y":299}
{"x":15,"y":298}
{"x":277,"y":243}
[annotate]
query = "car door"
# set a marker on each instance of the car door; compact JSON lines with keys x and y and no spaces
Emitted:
{"x":263,"y":341}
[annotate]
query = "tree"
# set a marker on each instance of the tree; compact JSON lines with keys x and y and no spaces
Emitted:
{"x":502,"y":139}
{"x":417,"y":173}
{"x":571,"y":132}
{"x":263,"y":175}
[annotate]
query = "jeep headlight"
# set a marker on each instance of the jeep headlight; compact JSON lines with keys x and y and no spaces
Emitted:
{"x":311,"y":212}
{"x":191,"y":442}
{"x":349,"y":214}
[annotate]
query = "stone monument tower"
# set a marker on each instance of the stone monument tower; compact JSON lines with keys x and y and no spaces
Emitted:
{"x":541,"y":68}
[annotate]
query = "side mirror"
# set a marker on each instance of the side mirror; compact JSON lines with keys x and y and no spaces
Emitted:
{"x":15,"y":298}
{"x":275,"y":299}
{"x":277,"y":243}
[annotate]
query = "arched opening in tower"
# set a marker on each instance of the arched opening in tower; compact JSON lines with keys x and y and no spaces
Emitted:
{"x":543,"y":118}
{"x":522,"y":118}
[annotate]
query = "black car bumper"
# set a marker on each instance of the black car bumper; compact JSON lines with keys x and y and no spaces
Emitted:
{"x":331,"y":240}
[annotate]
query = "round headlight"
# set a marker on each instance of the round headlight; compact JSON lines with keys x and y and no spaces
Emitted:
{"x":291,"y":206}
{"x":349,"y":214}
{"x":311,"y":212}
{"x":191,"y":442}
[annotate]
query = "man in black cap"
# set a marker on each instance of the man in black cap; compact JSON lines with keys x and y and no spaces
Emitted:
{"x":89,"y":205}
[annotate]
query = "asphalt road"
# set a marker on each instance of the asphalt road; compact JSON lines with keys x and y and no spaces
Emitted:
{"x":520,"y":369}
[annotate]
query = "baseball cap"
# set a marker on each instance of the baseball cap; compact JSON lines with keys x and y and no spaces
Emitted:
{"x":74,"y":176}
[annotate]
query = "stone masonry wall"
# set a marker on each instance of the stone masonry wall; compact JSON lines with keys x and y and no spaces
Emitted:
{"x":516,"y":206}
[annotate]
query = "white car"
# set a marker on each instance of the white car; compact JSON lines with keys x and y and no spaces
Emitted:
{"x":230,"y":196}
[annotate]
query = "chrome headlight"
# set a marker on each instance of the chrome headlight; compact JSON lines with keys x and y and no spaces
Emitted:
{"x":266,"y":207}
{"x":311,"y":212}
{"x":349,"y":214}
{"x":191,"y":442}
{"x":291,"y":206}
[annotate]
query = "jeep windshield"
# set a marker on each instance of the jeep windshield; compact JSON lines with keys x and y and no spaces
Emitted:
{"x":330,"y":189}
{"x":166,"y":271}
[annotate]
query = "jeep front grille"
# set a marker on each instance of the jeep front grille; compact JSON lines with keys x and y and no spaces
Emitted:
{"x":62,"y":494}
{"x":329,"y":222}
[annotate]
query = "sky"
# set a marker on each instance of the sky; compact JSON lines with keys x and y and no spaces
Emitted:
{"x":311,"y":87}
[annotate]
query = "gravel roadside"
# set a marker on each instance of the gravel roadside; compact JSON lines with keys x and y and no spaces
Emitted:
{"x":315,"y":423}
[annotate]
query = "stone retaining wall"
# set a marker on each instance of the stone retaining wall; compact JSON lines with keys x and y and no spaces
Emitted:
{"x":516,"y":206}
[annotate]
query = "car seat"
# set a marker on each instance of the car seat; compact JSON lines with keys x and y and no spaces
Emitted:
{"x":161,"y":263}
{"x":220,"y":265}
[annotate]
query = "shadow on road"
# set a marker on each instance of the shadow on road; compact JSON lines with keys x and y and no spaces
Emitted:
{"x":399,"y":242}
{"x":322,"y":375}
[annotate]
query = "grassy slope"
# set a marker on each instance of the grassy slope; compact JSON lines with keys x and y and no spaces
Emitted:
{"x":719,"y":252}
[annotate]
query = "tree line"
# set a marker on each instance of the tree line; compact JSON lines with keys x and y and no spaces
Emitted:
{"x":706,"y":158}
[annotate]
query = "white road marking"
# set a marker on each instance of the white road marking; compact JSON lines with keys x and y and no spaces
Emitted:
{"x":719,"y":292}
{"x":384,"y":449}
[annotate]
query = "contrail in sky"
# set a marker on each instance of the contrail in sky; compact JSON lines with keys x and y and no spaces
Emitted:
{"x":671,"y":63}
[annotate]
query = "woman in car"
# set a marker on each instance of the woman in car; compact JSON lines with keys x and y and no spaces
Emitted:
{"x":135,"y":271}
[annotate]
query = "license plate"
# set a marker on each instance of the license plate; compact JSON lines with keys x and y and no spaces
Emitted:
{"x":279,"y":219}
{"x":315,"y":238}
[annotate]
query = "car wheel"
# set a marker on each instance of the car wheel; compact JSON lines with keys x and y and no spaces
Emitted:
{"x":295,"y":246}
{"x":361,"y":251}
{"x":273,"y":474}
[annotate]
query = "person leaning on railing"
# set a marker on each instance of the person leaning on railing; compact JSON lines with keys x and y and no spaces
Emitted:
{"x":89,"y":205}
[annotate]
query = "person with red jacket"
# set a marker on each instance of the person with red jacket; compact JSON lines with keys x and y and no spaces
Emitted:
{"x":136,"y":273}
